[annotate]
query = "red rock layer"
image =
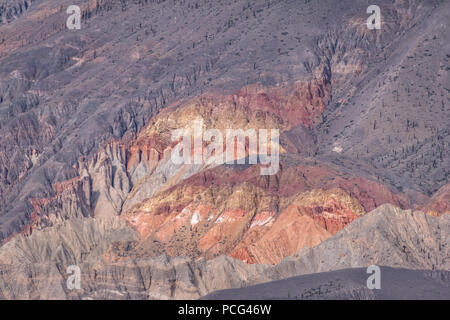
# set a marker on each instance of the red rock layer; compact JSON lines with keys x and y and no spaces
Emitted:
{"x":440,"y":202}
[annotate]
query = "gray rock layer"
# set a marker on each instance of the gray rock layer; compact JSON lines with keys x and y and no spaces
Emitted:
{"x":395,"y":284}
{"x":387,"y":236}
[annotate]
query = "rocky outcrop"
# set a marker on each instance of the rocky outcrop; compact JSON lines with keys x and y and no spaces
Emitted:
{"x":135,"y":178}
{"x":66,"y":243}
{"x":348,"y":284}
{"x":12,"y":9}
{"x":58,"y":101}
{"x":439,"y":203}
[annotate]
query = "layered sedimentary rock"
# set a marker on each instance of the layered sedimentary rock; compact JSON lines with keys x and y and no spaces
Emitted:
{"x":348,"y":284}
{"x":440,"y":202}
{"x":65,"y":94}
{"x":387,"y":236}
{"x":86,"y":118}
{"x":206,"y":211}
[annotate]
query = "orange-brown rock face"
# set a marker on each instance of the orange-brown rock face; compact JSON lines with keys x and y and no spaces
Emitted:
{"x":235,"y":211}
{"x":303,"y":103}
{"x":311,"y":218}
{"x":253,"y":218}
{"x":440,"y":202}
{"x":332,"y":209}
{"x":289,"y":233}
{"x":146,"y":150}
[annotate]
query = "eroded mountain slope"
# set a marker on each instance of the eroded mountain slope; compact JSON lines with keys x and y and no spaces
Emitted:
{"x":66,"y":93}
{"x":86,"y":118}
{"x":387,"y":236}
